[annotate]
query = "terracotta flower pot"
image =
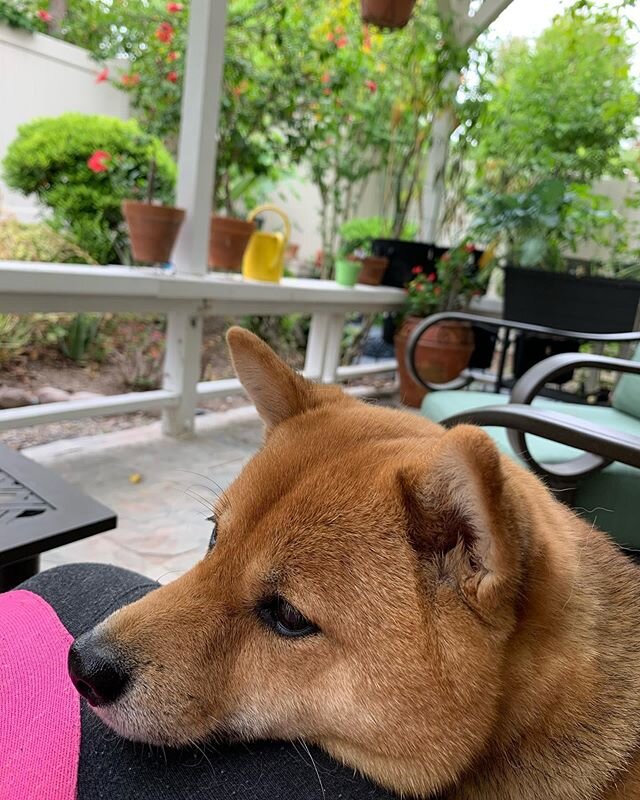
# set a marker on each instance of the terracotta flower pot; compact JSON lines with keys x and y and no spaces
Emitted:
{"x":373,"y":269}
{"x":228,"y":240}
{"x":442,"y":353}
{"x":387,"y":13}
{"x":153,"y":230}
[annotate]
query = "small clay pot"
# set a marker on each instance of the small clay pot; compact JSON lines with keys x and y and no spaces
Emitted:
{"x":153,"y":230}
{"x":387,"y":13}
{"x":373,"y":269}
{"x":228,"y":239}
{"x":443,"y":351}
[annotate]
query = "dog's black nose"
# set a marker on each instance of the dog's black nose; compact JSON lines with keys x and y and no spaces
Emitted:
{"x":96,"y":670}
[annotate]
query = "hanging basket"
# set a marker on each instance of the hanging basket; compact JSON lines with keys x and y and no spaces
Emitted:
{"x":387,"y":13}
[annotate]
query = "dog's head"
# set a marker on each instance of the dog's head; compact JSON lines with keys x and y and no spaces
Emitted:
{"x":360,"y":593}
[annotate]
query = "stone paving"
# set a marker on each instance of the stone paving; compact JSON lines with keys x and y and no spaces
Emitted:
{"x":162,"y":528}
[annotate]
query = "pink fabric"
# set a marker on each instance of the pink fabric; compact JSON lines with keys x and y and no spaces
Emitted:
{"x":39,"y":708}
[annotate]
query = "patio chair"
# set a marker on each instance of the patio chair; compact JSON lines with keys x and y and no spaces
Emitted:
{"x":590,"y":454}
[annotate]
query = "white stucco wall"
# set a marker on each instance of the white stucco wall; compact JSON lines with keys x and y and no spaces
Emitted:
{"x":43,"y":77}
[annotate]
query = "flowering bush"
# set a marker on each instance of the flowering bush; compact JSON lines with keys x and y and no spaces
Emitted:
{"x":450,"y":286}
{"x":81,"y":167}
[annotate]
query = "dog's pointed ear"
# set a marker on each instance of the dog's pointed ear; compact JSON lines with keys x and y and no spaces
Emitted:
{"x":457,"y":513}
{"x":277,"y":391}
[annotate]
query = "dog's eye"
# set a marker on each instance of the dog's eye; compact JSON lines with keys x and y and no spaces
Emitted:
{"x":284,"y":618}
{"x":212,"y":540}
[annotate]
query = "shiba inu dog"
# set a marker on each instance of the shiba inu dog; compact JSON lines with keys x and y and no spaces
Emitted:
{"x":403,"y":596}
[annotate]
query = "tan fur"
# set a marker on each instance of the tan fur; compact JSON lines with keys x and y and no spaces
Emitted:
{"x":478,"y":641}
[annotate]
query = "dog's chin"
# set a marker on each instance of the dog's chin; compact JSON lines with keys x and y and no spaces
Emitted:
{"x":142,"y":725}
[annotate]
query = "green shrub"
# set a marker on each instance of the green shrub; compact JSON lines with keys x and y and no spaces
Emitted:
{"x":49,"y":158}
{"x":20,"y":241}
{"x":20,"y":14}
{"x":358,"y":233}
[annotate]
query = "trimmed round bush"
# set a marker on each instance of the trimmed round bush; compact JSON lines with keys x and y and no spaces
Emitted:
{"x":82,"y":167}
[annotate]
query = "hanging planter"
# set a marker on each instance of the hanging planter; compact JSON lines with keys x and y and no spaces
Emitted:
{"x":387,"y":13}
{"x":153,"y":230}
{"x":228,"y":240}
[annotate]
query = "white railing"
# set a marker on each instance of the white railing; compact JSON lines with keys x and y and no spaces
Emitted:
{"x":187,"y":299}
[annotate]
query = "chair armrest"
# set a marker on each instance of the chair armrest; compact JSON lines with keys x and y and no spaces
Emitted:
{"x":544,"y":372}
{"x":602,"y":445}
{"x":536,"y":377}
{"x":493,"y":324}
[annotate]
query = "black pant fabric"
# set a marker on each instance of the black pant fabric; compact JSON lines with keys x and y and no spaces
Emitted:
{"x":115,"y":769}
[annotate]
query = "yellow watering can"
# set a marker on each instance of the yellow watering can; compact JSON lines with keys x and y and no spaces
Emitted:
{"x":264,"y":257}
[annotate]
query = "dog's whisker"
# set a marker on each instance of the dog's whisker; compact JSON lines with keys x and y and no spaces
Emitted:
{"x":199,"y":498}
{"x":315,"y":766}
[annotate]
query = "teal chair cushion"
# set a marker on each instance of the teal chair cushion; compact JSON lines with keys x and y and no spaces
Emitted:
{"x":610,"y":498}
{"x":626,"y":395}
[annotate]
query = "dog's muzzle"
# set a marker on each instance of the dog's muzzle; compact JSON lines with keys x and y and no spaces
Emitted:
{"x":97,"y":669}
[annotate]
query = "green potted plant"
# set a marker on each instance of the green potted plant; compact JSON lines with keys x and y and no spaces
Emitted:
{"x":153,"y":227}
{"x":445,"y":349}
{"x":357,"y":237}
{"x":154,"y":82}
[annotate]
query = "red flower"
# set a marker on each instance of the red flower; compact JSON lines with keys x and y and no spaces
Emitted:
{"x":172,"y":76}
{"x":325,"y":78}
{"x":45,"y":16}
{"x":469,"y":248}
{"x":97,"y":161}
{"x":330,"y":37}
{"x":437,"y":290}
{"x":326,"y":91}
{"x":416,"y":270}
{"x":431,"y":277}
{"x":174,"y":8}
{"x":164,"y":32}
{"x":372,"y":86}
{"x":174,"y":55}
{"x":445,"y":256}
{"x":130,"y":80}
{"x":103,"y":75}
{"x":342,"y":42}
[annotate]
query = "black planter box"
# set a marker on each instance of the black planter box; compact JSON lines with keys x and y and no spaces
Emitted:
{"x":403,"y":257}
{"x":560,"y":300}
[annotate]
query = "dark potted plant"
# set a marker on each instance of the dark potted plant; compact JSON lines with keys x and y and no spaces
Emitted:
{"x":537,"y":228}
{"x":445,"y":349}
{"x":357,"y":237}
{"x":372,"y":268}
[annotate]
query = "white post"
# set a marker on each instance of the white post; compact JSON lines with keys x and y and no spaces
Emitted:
{"x":316,"y":346}
{"x":332,"y":348}
{"x":196,"y":169}
{"x":434,"y":185}
{"x":182,"y":370}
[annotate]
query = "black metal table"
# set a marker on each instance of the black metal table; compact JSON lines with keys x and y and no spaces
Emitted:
{"x":40,"y":511}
